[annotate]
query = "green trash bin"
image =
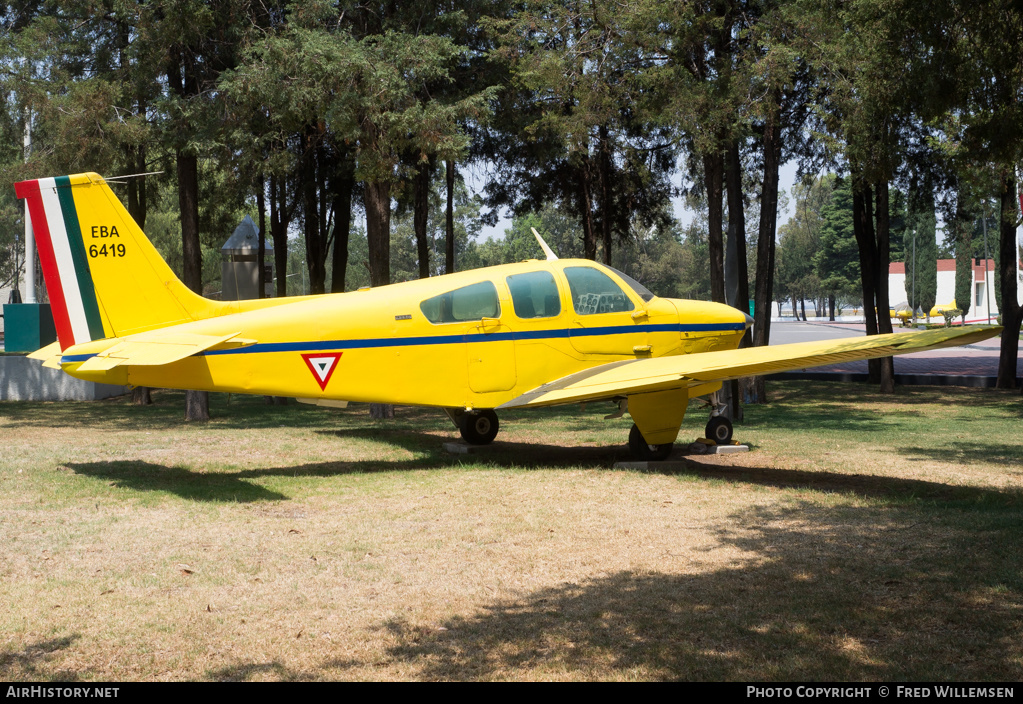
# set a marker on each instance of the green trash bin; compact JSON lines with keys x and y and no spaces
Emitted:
{"x":27,"y":327}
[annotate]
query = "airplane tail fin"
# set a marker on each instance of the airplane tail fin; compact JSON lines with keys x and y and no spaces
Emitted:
{"x":103,"y":276}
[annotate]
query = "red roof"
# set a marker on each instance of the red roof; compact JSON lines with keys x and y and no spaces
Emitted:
{"x":948,"y":265}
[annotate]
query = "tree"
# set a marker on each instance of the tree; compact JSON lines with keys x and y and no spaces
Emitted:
{"x":962,"y":230}
{"x":836,"y":263}
{"x":569,"y":129}
{"x":977,"y":92}
{"x":796,"y":278}
{"x":921,"y":237}
{"x":669,"y":260}
{"x":866,"y":55}
{"x":466,"y":223}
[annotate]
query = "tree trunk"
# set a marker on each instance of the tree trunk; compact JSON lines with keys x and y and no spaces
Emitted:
{"x":136,"y":163}
{"x":344,"y":185}
{"x":381,"y":410}
{"x":884,"y":320}
{"x":261,"y":205}
{"x":421,"y":209}
{"x":449,"y":218}
{"x":736,"y":273}
{"x":197,"y":403}
{"x":713,"y":174}
{"x":188,"y":202}
{"x":764,"y":290}
{"x":736,"y":267}
{"x":261,"y":254}
{"x":140,"y":396}
{"x":378,"y":231}
{"x":586,"y":210}
{"x":606,"y":204}
{"x":279,"y":231}
{"x":197,"y":406}
{"x":964,"y":256}
{"x":1010,"y":309}
{"x":315,"y":252}
{"x":863,"y":228}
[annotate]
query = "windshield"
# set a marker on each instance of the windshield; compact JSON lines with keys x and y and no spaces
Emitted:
{"x":636,"y":286}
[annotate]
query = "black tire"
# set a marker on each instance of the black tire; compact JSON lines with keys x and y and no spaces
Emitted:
{"x":719,"y":429}
{"x":644,"y":452}
{"x":479,"y":427}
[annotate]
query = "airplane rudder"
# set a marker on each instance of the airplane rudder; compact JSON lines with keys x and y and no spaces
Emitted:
{"x":104,"y":276}
{"x":65,"y":268}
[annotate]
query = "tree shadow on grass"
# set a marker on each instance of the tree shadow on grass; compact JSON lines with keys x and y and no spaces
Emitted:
{"x":30,"y":663}
{"x":826,"y":392}
{"x":264,"y":670}
{"x":830,"y":417}
{"x":193,"y":486}
{"x":822,"y":594}
{"x":968,"y":452}
{"x":865,"y":485}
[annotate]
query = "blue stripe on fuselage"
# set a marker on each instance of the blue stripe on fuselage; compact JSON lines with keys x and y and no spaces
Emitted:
{"x":319,"y":345}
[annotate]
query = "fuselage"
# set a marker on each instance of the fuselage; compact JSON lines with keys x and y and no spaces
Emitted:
{"x":472,"y":339}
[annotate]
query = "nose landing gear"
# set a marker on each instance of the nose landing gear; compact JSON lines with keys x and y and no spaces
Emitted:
{"x":719,"y":428}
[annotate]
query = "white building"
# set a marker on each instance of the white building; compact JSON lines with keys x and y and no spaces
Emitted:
{"x":982,"y":292}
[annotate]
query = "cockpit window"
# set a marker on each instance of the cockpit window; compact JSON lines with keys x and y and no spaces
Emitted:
{"x":534,"y":295}
{"x":644,"y":293}
{"x":473,"y":302}
{"x":593,"y":292}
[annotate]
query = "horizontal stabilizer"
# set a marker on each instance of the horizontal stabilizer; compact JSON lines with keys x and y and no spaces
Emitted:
{"x":44,"y":353}
{"x":159,"y":347}
{"x":662,"y":373}
{"x":50,"y":355}
{"x":53,"y":362}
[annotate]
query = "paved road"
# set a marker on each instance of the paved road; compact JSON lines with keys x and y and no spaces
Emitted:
{"x":980,"y":359}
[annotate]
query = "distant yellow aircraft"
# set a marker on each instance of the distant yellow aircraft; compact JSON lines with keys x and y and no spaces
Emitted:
{"x":536,"y":333}
{"x":939,"y":308}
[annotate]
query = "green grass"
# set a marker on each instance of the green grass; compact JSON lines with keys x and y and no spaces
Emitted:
{"x":865,"y":537}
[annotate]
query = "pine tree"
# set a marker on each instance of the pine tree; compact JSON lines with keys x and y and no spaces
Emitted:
{"x":836,"y":262}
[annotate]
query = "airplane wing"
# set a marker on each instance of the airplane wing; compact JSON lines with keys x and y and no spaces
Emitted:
{"x":683,"y":371}
{"x":160,"y":347}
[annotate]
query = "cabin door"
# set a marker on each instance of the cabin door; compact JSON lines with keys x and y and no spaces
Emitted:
{"x":491,"y":357}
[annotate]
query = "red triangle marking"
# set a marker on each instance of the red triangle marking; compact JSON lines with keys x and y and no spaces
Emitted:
{"x":322,"y":365}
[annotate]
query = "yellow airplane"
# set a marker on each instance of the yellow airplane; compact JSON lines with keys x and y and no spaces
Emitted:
{"x":535,"y":333}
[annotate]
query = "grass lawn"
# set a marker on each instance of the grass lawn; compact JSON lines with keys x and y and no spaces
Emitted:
{"x":863,"y":538}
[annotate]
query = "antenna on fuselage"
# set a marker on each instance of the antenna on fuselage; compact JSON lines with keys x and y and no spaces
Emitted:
{"x":551,"y":256}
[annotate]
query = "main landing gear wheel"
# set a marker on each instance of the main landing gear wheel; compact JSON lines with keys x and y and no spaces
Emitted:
{"x":645,"y":452}
{"x":479,"y":427}
{"x":719,"y":429}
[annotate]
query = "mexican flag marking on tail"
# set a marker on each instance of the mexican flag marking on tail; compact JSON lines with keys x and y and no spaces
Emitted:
{"x":62,"y":256}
